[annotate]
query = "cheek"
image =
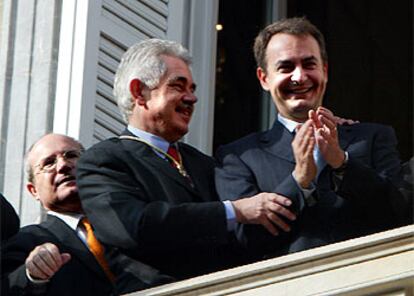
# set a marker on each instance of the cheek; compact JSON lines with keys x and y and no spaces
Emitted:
{"x":278,"y":89}
{"x":164,"y":106}
{"x":280,"y":82}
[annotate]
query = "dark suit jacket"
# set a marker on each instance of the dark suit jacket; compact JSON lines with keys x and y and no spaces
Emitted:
{"x":142,"y":207}
{"x":82,"y":275}
{"x":10,"y":222}
{"x":366,"y":201}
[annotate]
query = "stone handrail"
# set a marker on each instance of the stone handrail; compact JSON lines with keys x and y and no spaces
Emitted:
{"x":380,"y":264}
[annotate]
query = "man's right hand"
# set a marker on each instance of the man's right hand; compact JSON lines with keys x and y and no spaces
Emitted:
{"x":302,"y":146}
{"x":266,"y":209}
{"x":45,"y":260}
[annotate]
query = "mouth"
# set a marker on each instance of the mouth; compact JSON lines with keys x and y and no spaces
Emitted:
{"x":186,"y":110}
{"x":65,"y":180}
{"x":298,"y":90}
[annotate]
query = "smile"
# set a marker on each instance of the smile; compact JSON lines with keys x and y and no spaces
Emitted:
{"x":299,"y":91}
{"x":185,"y":109}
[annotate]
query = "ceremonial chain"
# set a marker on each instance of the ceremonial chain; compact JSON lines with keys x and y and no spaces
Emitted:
{"x":177,"y":164}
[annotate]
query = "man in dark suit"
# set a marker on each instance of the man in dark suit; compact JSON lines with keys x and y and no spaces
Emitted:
{"x":151,"y":197}
{"x":342,"y":180}
{"x":52,"y":258}
{"x":10,"y":222}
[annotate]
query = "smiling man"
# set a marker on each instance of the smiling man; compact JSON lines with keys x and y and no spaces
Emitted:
{"x":342,"y":180}
{"x":53,"y":257}
{"x":152,"y":197}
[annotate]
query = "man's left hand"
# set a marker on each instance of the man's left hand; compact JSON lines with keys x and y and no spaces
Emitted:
{"x":326,"y":136}
{"x":338,"y":120}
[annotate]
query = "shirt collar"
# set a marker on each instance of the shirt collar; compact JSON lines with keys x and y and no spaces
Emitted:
{"x":158,"y":142}
{"x":290,"y":125}
{"x":71,"y":219}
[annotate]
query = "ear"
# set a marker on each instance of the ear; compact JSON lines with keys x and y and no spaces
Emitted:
{"x":262,"y":76}
{"x":33,"y":190}
{"x":135,"y":88}
{"x":325,"y":71}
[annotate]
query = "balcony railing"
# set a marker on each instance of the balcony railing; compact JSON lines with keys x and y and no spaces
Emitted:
{"x":379,"y":264}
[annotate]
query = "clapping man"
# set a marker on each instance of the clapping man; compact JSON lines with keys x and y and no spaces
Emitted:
{"x":342,"y":180}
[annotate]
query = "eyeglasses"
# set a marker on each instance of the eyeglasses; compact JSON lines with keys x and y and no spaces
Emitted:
{"x":48,"y":164}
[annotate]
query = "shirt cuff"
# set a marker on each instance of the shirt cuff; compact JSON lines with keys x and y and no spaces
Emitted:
{"x":230,"y":215}
{"x":339,"y":172}
{"x":35,"y":281}
{"x":307,"y":192}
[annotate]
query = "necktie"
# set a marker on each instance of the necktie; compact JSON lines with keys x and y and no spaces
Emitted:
{"x":173,"y":152}
{"x":96,"y":248}
{"x":178,"y":164}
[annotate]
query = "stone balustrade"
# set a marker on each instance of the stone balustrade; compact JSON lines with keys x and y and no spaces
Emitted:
{"x":378,"y":264}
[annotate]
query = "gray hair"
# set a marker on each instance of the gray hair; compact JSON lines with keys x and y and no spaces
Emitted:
{"x":143,"y":61}
{"x":28,"y":167}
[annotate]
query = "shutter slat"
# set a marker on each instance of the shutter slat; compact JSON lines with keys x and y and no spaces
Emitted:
{"x":122,"y":24}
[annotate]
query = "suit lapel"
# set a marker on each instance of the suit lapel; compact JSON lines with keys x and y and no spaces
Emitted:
{"x":345,"y":136}
{"x":72,"y":243}
{"x":145,"y":153}
{"x":197,"y":171}
{"x":277,"y":141}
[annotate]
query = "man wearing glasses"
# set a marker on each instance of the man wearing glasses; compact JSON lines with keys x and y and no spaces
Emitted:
{"x":54,"y":257}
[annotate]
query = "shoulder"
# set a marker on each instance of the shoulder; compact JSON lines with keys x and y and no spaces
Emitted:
{"x":248,"y":142}
{"x":369,"y":129}
{"x":191,"y":151}
{"x":105,"y":144}
{"x":106,"y":149}
{"x":10,"y":222}
{"x":27,"y":238}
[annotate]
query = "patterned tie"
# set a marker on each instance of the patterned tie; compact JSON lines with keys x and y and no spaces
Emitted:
{"x":173,"y":152}
{"x":96,"y":248}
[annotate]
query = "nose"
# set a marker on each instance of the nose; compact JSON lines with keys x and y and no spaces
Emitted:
{"x":63,"y":165}
{"x":190,"y":98}
{"x":298,"y":75}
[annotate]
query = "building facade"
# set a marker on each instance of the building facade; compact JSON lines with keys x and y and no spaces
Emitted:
{"x":57,"y":65}
{"x":58,"y":59}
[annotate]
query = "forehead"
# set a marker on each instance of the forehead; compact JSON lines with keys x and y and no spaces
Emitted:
{"x":284,"y":46}
{"x":50,"y":145}
{"x":177,"y":68}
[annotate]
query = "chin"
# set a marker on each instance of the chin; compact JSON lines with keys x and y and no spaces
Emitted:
{"x":300,"y":113}
{"x":68,"y":192}
{"x":181,"y":130}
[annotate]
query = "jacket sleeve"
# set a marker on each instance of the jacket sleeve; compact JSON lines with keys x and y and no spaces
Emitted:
{"x":372,"y":180}
{"x":130,"y":213}
{"x":13,"y":274}
{"x":234,"y":180}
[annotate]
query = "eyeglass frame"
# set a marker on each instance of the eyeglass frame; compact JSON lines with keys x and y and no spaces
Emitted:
{"x":52,"y":166}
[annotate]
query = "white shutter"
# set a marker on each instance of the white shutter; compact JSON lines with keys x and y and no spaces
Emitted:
{"x":94,"y":35}
{"x":123,"y":23}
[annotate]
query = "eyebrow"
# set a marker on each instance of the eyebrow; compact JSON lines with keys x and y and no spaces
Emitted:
{"x":182,"y":79}
{"x":309,"y":59}
{"x":54,"y":155}
{"x":306,"y":59}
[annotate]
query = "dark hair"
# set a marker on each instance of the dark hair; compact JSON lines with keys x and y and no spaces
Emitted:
{"x":293,"y":26}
